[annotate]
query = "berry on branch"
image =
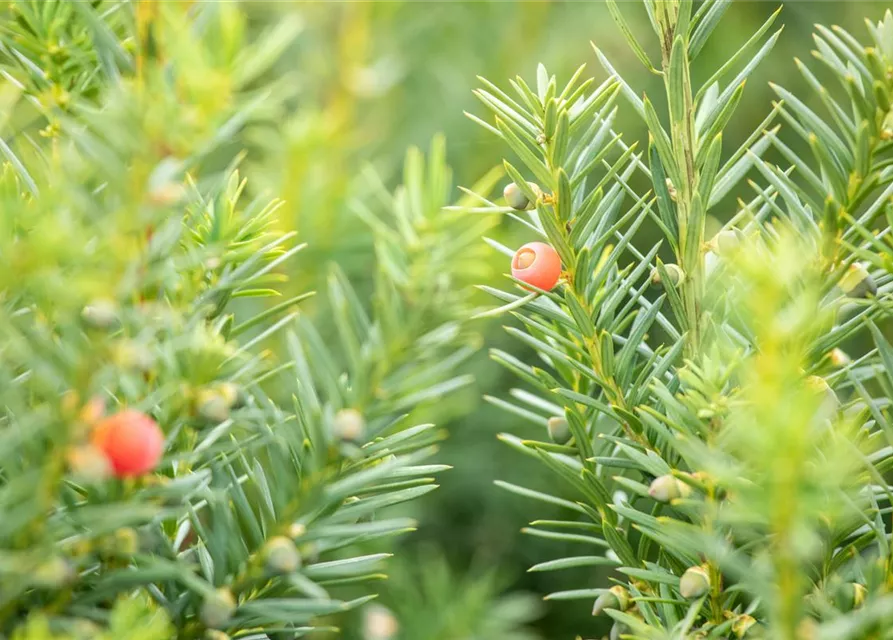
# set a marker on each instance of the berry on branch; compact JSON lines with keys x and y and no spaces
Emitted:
{"x":517,"y":199}
{"x":537,"y":264}
{"x":349,"y":425}
{"x":218,"y":608}
{"x":559,"y":430}
{"x":839,"y":357}
{"x":667,"y":488}
{"x":674,"y":274}
{"x":694,"y":583}
{"x":857,"y":282}
{"x":132,"y":442}
{"x":727,"y":241}
{"x":616,"y":597}
{"x":281,"y":556}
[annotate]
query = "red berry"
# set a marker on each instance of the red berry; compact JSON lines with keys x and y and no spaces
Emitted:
{"x":538,"y":264}
{"x":132,"y":442}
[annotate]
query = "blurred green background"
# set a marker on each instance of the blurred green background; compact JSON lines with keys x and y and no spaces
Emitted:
{"x":375,"y":77}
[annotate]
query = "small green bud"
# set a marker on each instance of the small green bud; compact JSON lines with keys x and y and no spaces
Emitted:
{"x":857,"y":282}
{"x":281,"y":555}
{"x":349,"y":424}
{"x":742,"y":625}
{"x":559,"y":431}
{"x":516,"y":199}
{"x":674,"y":272}
{"x":218,"y":608}
{"x":667,"y":488}
{"x":728,"y":241}
{"x":100,"y":314}
{"x":607,"y":600}
{"x":215,"y":634}
{"x":616,"y":597}
{"x":839,"y":358}
{"x":694,"y":583}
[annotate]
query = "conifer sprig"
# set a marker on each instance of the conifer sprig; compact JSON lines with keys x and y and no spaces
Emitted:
{"x":718,"y":443}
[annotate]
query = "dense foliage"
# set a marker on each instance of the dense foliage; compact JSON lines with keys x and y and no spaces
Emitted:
{"x":224,"y":337}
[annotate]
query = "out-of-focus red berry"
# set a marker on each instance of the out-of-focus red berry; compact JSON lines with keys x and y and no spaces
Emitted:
{"x":132,"y":442}
{"x":537,"y":264}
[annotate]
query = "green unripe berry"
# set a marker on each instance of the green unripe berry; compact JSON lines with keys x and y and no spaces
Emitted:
{"x":674,"y":273}
{"x":694,"y":583}
{"x":349,"y":424}
{"x":218,"y":608}
{"x":839,"y":357}
{"x":667,"y":488}
{"x":614,"y":598}
{"x":281,"y":556}
{"x":559,"y":431}
{"x":857,"y":283}
{"x":517,"y":199}
{"x":728,"y":241}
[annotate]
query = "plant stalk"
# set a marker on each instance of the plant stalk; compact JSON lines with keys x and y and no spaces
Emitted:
{"x":684,"y":140}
